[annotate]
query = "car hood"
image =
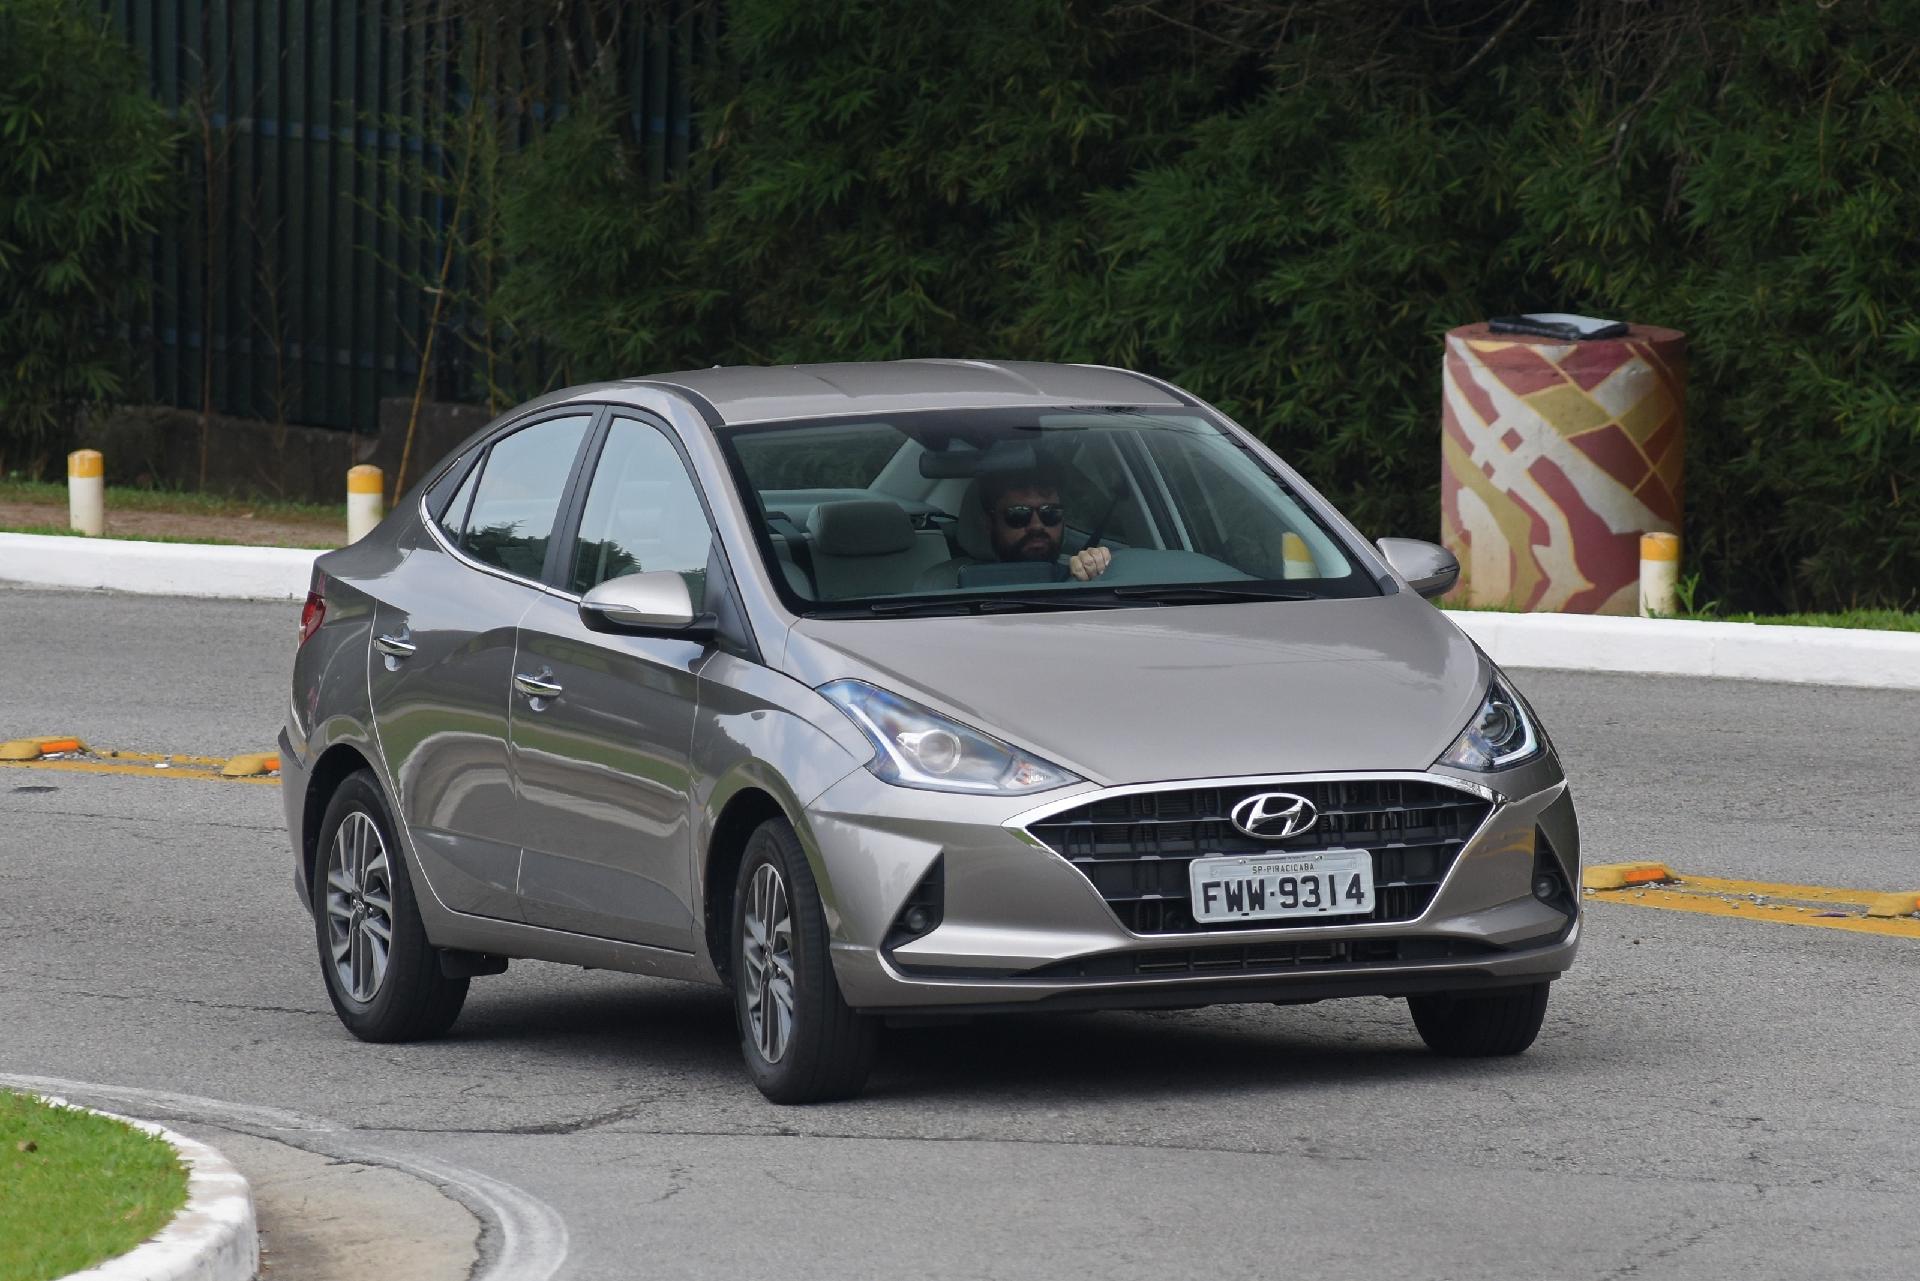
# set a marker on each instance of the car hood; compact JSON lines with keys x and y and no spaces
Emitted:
{"x":1188,"y":691}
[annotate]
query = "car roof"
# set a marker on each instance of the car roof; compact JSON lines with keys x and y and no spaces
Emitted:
{"x":755,"y":393}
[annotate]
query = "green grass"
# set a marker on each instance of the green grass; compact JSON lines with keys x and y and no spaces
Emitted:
{"x":166,"y":500}
{"x":77,"y":1189}
{"x":63,"y":532}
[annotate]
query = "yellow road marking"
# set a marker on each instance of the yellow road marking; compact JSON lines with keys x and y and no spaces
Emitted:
{"x":71,"y":755}
{"x":144,"y":770}
{"x":214,"y":762}
{"x":1821,"y":906}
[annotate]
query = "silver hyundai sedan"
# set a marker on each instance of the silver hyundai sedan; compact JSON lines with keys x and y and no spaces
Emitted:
{"x":879,"y":693}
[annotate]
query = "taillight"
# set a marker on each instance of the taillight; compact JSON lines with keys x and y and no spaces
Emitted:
{"x":312,"y":614}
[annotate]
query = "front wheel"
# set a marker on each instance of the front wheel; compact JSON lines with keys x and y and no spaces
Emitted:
{"x":1480,"y":1025}
{"x":801,"y":1041}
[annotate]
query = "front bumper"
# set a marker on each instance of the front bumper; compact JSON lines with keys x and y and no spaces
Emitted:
{"x":1023,"y":928}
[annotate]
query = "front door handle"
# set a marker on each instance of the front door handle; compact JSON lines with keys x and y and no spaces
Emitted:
{"x":394,"y":646}
{"x":537,"y":686}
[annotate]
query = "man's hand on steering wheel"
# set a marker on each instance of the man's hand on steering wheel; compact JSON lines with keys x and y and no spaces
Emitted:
{"x":1089,"y":564}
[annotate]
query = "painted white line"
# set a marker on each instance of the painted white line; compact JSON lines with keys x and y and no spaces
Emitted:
{"x":526,"y":1237}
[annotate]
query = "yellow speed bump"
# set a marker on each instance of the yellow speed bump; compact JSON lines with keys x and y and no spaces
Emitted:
{"x":250,"y":766}
{"x":33,"y":749}
{"x":1614,"y":876}
{"x":1821,"y":906}
{"x":1905,"y":903}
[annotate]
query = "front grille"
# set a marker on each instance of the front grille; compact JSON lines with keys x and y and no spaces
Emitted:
{"x":1135,"y":848}
{"x":1260,"y":958}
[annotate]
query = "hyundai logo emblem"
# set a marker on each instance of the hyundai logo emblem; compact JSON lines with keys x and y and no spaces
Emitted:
{"x":1274,"y":816}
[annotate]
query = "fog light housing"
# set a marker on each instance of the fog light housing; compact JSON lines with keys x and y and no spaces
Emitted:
{"x":1550,"y":879}
{"x":924,"y":909}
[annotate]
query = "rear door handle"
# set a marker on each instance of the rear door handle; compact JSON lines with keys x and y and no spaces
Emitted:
{"x":394,"y":646}
{"x":536,"y":686}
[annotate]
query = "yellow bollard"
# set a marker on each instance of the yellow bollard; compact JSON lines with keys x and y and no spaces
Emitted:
{"x":1659,"y":574}
{"x":364,"y":485}
{"x":87,"y":492}
{"x":1296,"y":560}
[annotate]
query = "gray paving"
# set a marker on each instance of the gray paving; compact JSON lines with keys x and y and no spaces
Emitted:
{"x":1709,"y":1098}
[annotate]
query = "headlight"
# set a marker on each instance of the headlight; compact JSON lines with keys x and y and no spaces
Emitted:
{"x":920,"y":748}
{"x":1500,"y":734}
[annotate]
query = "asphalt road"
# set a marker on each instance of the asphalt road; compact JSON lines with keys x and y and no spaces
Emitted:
{"x":1709,"y":1098}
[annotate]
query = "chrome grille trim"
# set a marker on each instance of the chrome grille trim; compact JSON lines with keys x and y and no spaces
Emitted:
{"x":1133,"y":843}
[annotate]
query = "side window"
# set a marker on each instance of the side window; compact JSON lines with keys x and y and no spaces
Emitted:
{"x":643,"y":513}
{"x":453,"y":517}
{"x":519,"y":492}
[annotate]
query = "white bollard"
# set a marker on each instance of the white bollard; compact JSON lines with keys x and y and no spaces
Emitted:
{"x":1296,"y":561}
{"x":1659,"y":574}
{"x":364,"y":487}
{"x":87,"y":492}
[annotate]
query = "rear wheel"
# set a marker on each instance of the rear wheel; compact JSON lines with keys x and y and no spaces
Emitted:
{"x":1480,"y":1025}
{"x":801,"y":1041}
{"x":382,"y":974}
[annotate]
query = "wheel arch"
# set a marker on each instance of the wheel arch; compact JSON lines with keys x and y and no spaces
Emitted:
{"x":333,"y":767}
{"x":741,"y":817}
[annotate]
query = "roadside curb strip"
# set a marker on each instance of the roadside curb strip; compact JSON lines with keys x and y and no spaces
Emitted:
{"x":157,"y":569}
{"x":1567,"y":642}
{"x":213,"y":1238}
{"x":1684,"y":647}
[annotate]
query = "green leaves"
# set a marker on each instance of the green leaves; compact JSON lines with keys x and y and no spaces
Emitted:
{"x":84,"y":166}
{"x":1284,"y":206}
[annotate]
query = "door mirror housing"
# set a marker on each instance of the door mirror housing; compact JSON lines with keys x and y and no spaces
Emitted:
{"x":1429,"y":569}
{"x":656,"y":603}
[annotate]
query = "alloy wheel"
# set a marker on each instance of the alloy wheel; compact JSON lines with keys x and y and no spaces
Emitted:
{"x":767,"y":963}
{"x":359,"y":907}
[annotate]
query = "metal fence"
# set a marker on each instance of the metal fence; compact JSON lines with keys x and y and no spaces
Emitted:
{"x":291,"y":283}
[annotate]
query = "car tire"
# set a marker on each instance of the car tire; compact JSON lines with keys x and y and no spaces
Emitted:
{"x":361,"y":889}
{"x":1474,"y":1025}
{"x":801,"y":1041}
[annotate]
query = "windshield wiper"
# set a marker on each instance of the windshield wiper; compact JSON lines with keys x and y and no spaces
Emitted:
{"x":1177,"y":593}
{"x":986,"y":605}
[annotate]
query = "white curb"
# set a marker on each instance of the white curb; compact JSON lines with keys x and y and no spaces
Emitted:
{"x":156,"y":569}
{"x":213,"y":1238}
{"x":1569,"y":642}
{"x":1682,"y":647}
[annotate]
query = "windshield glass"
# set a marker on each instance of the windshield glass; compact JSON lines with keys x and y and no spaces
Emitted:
{"x":966,"y":511}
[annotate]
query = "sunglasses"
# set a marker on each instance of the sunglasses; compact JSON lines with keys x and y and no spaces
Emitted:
{"x":1020,"y":515}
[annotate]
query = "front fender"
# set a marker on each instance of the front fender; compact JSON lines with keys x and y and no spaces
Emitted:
{"x":760,"y":731}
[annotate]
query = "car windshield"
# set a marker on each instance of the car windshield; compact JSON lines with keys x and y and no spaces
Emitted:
{"x":997,"y":510}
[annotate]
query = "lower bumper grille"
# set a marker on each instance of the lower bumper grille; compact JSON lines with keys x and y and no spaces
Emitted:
{"x":1135,"y":847}
{"x":1261,"y":958}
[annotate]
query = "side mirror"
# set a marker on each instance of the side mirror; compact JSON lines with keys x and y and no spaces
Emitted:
{"x":1428,"y":568}
{"x":656,"y":603}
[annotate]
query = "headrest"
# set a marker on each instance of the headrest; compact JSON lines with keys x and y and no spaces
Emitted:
{"x":970,"y":529}
{"x":860,"y":527}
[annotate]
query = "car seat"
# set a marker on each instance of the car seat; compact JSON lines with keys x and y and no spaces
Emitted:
{"x":869,"y":547}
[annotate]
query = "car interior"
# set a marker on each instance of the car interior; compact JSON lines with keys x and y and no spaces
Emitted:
{"x":919,"y":526}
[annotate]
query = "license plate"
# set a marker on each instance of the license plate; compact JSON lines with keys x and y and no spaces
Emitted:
{"x":1275,"y":886}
